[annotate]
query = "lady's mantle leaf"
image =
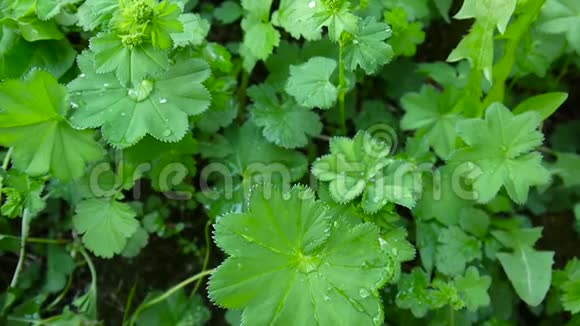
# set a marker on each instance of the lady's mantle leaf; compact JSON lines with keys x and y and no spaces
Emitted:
{"x":310,"y":84}
{"x":367,"y":47}
{"x":428,"y":112}
{"x":158,"y":106}
{"x":33,"y":121}
{"x":361,"y":166}
{"x":562,"y":17}
{"x":296,"y":17}
{"x":501,"y":146}
{"x":290,"y":264}
{"x":285,"y":123}
{"x":131,"y":63}
{"x":106,"y":225}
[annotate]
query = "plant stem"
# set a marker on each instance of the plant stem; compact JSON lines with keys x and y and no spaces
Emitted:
{"x":516,"y":31}
{"x":206,"y":258}
{"x":4,"y":167}
{"x":23,"y":237}
{"x":341,"y":89}
{"x":168,"y":293}
{"x":242,"y":96}
{"x":36,"y":240}
{"x":129,"y":302}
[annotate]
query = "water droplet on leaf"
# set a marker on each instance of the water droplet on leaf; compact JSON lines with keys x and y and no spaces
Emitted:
{"x":312,"y":4}
{"x":167,"y":133}
{"x":163,"y":101}
{"x":364,"y":293}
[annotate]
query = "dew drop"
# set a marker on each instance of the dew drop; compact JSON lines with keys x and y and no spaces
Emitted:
{"x":123,"y":114}
{"x":355,"y":41}
{"x":105,"y":85}
{"x":364,"y":293}
{"x":312,"y":4}
{"x":326,"y":298}
{"x":82,"y":75}
{"x":167,"y":133}
{"x":163,"y":101}
{"x":74,"y":105}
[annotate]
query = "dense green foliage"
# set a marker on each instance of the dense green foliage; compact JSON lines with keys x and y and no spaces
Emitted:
{"x":358,"y":162}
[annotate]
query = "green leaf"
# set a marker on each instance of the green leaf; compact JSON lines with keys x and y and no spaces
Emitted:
{"x":95,"y":13}
{"x":366,"y":48}
{"x":335,"y":15}
{"x":60,"y":265}
{"x":195,"y":30}
{"x":257,"y":9}
{"x":136,"y":243}
{"x":297,"y":18}
{"x":414,"y":293}
{"x":517,"y":238}
{"x":475,"y":221}
{"x":106,"y":225}
{"x":153,"y":20}
{"x":33,"y":29}
{"x":56,"y":57}
{"x":562,"y":17}
{"x":568,"y":281}
{"x":310,"y":83}
{"x":416,"y":9}
{"x":477,"y":48}
{"x":406,"y":36}
{"x":228,"y":12}
{"x":494,"y":12}
{"x":314,"y":265}
{"x":567,"y":167}
{"x":545,"y":104}
{"x":260,"y":38}
{"x":429,"y":113}
{"x":455,"y":250}
{"x":47,"y":9}
{"x":158,"y":106}
{"x":529,"y":271}
{"x":285,"y":123}
{"x":38,"y":106}
{"x":443,"y":6}
{"x":501,"y":148}
{"x":178,"y":309}
{"x":445,"y":293}
{"x":473,"y":289}
{"x":441,"y":199}
{"x":22,"y":192}
{"x":246,"y":158}
{"x":131,"y":64}
{"x":395,"y":243}
{"x":361,"y":166}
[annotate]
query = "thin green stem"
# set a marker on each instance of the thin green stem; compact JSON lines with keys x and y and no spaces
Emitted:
{"x":37,"y":240}
{"x":129,"y":303}
{"x":62,"y":294}
{"x":207,"y":252}
{"x":516,"y":31}
{"x":564,"y":70}
{"x":5,"y":167}
{"x":167,"y":294}
{"x":341,"y":89}
{"x":25,"y":227}
{"x":92,"y":270}
{"x":242,"y":95}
